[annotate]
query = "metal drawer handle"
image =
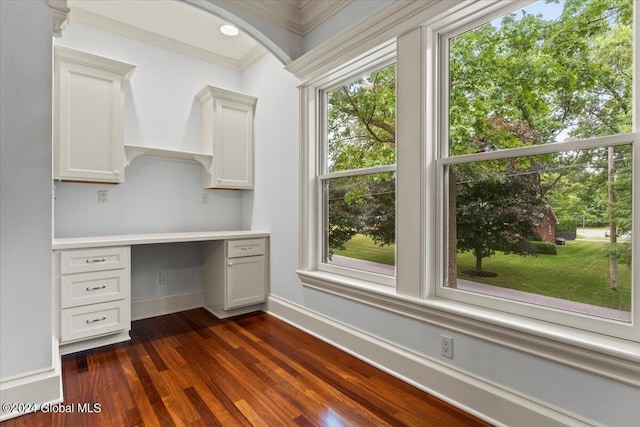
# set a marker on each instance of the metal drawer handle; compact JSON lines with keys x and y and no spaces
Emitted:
{"x":95,"y":288}
{"x":96,"y":320}
{"x":91,"y":261}
{"x":246,"y":248}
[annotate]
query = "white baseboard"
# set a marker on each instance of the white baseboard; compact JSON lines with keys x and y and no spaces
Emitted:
{"x":43,"y":387}
{"x":488,"y":401}
{"x":223,"y":314}
{"x":96,"y":342}
{"x":143,"y":309}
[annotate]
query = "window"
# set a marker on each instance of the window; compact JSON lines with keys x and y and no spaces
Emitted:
{"x":357,"y":176}
{"x":518,"y":155}
{"x":539,"y":128}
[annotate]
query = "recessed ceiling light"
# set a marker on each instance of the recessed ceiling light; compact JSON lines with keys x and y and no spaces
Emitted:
{"x":229,"y":30}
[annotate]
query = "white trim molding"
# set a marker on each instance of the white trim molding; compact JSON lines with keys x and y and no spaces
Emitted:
{"x":491,"y":402}
{"x":166,"y":304}
{"x":125,"y":30}
{"x":608,"y":357}
{"x":392,"y":21}
{"x":297,"y":16}
{"x":60,"y":13}
{"x":42,"y":387}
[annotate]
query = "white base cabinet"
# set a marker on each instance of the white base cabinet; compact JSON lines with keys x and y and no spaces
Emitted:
{"x":236,"y":276}
{"x":92,"y":295}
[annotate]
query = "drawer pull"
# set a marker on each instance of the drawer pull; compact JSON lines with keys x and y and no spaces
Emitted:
{"x":91,"y":261}
{"x":230,"y":264}
{"x":246,"y":248}
{"x":95,"y":288}
{"x":96,"y":320}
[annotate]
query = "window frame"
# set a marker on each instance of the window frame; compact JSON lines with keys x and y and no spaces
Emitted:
{"x":365,"y":66}
{"x":442,"y":159}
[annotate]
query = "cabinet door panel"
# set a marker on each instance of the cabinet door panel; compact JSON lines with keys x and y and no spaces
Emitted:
{"x":234,"y":152}
{"x":246,"y":281}
{"x":88,"y":131}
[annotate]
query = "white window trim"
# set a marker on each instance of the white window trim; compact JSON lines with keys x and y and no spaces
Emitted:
{"x":315,"y":97}
{"x":609,"y":357}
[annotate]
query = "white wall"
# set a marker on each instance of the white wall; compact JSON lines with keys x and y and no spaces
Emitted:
{"x":25,"y":187}
{"x":273,"y":205}
{"x":157,"y":196}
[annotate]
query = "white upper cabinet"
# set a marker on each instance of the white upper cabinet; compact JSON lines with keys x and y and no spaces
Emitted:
{"x":88,"y":142}
{"x":227,"y":135}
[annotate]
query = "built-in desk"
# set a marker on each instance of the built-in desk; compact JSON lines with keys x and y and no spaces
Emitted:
{"x":92,"y":281}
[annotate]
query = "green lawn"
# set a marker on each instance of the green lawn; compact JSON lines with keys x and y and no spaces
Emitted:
{"x":362,"y":247}
{"x":578,"y":273}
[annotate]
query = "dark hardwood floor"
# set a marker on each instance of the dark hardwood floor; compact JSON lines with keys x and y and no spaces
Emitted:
{"x":191,"y":369}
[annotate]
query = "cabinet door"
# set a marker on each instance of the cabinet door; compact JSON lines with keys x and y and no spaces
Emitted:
{"x":88,"y":132}
{"x":233,"y":146}
{"x":246,"y":281}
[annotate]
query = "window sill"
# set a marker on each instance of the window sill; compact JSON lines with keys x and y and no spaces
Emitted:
{"x":609,"y":357}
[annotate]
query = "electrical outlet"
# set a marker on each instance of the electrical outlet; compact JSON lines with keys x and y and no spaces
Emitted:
{"x":163,"y":278}
{"x":446,"y":346}
{"x":103,"y":196}
{"x":205,"y":199}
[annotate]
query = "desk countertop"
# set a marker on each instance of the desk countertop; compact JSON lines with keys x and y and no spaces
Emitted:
{"x":151,"y":238}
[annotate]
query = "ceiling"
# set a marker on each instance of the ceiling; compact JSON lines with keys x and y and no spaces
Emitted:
{"x":183,"y":28}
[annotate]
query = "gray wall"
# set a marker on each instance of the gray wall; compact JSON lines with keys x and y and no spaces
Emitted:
{"x":25,"y":187}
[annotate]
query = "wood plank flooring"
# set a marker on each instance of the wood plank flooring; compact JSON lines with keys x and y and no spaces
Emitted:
{"x":191,"y":369}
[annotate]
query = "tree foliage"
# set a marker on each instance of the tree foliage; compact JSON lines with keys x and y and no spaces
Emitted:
{"x":531,"y":80}
{"x":361,"y":134}
{"x":526,"y":79}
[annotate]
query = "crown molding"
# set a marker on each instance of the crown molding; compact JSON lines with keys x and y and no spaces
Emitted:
{"x":315,"y":13}
{"x":368,"y":34}
{"x":84,"y":58}
{"x":252,"y":57}
{"x":60,"y":13}
{"x":297,"y":16}
{"x":283,"y":13}
{"x":129,"y":31}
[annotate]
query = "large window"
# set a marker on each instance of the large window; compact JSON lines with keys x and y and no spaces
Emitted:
{"x":512,"y":192}
{"x":358,"y":175}
{"x":537,"y":162}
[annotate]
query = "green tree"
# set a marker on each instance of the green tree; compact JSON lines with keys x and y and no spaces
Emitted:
{"x":497,"y":210}
{"x":532,"y":80}
{"x":361,"y":134}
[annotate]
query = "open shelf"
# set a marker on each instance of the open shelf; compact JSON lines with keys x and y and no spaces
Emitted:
{"x":133,"y":151}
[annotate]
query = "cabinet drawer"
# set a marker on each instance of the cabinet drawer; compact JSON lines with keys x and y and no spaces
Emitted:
{"x":95,"y":259}
{"x":93,"y":320}
{"x":247,"y":247}
{"x":94,"y":287}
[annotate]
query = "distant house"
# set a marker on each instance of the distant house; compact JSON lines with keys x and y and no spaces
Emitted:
{"x":547,"y":227}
